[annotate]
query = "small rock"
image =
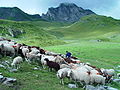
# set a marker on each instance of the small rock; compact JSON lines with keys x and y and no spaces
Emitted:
{"x":116,"y":80}
{"x":72,"y":86}
{"x":89,"y":87}
{"x":118,"y":70}
{"x":13,"y":70}
{"x":1,"y":77}
{"x":111,"y":88}
{"x":118,"y":66}
{"x":2,"y":66}
{"x":9,"y":81}
{"x":37,"y":76}
{"x":35,"y":68}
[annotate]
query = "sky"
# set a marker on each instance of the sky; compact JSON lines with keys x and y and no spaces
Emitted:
{"x":101,"y":7}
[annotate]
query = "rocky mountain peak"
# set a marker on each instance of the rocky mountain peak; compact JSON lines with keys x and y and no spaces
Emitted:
{"x":66,"y":12}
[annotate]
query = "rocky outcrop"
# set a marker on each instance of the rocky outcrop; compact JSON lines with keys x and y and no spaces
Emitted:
{"x":15,"y":32}
{"x":66,"y":12}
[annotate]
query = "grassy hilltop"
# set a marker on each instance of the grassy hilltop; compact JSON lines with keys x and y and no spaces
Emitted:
{"x":92,"y":27}
{"x":79,"y":38}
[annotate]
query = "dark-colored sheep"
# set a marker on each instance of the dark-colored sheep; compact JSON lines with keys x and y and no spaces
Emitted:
{"x":52,"y":64}
{"x":42,"y":51}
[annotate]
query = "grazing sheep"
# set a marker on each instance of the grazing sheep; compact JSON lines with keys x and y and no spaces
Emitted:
{"x":42,"y":51}
{"x":64,"y":66}
{"x":108,"y":73}
{"x":7,"y":49}
{"x":43,"y":62}
{"x":25,"y":51}
{"x":16,"y":47}
{"x":97,"y":79}
{"x":52,"y":64}
{"x":34,"y":51}
{"x":78,"y":75}
{"x":62,"y":73}
{"x":32,"y":57}
{"x":16,"y":61}
{"x":59,"y":59}
{"x":51,"y":53}
{"x":94,"y":72}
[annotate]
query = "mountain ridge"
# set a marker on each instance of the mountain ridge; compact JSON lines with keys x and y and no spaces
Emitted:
{"x":66,"y":12}
{"x":16,"y":14}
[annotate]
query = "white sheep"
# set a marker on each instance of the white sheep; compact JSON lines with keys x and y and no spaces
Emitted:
{"x":98,"y":79}
{"x":16,"y":61}
{"x":51,"y":53}
{"x":59,"y":59}
{"x":32,"y":57}
{"x":64,"y":66}
{"x":62,"y":73}
{"x":34,"y":51}
{"x":94,"y":72}
{"x":7,"y":49}
{"x":110,"y":72}
{"x":78,"y":75}
{"x":25,"y":51}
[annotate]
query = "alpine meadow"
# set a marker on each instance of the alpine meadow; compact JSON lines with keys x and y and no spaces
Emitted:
{"x":91,"y":38}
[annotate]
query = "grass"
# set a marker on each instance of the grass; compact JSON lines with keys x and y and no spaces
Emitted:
{"x":91,"y":27}
{"x":100,"y":54}
{"x":78,"y":38}
{"x":33,"y":34}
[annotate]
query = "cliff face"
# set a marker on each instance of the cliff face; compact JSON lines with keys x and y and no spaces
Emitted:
{"x":66,"y":12}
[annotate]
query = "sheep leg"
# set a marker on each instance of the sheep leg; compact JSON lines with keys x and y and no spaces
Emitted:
{"x":5,"y":54}
{"x":81,"y":83}
{"x":62,"y":81}
{"x":13,"y":55}
{"x":50,"y":69}
{"x":43,"y":66}
{"x":17,"y":67}
{"x":76,"y":83}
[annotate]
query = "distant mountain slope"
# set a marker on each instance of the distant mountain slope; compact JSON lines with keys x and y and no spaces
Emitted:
{"x":17,"y":14}
{"x":28,"y":33}
{"x":66,"y":12}
{"x":91,"y":27}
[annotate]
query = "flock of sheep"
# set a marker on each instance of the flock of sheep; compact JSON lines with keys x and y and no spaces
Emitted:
{"x":71,"y":68}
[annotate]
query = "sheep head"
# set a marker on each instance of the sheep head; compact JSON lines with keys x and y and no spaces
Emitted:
{"x":46,"y":59}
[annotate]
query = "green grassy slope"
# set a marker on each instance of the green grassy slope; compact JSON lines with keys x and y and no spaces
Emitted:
{"x":100,"y":54}
{"x":92,"y":27}
{"x":33,"y":34}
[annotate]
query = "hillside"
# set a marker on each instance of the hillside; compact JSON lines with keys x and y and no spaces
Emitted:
{"x":42,"y":33}
{"x":91,"y":27}
{"x":27,"y":32}
{"x":16,"y":14}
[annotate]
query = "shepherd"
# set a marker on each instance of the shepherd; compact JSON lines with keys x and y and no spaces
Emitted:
{"x":68,"y":54}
